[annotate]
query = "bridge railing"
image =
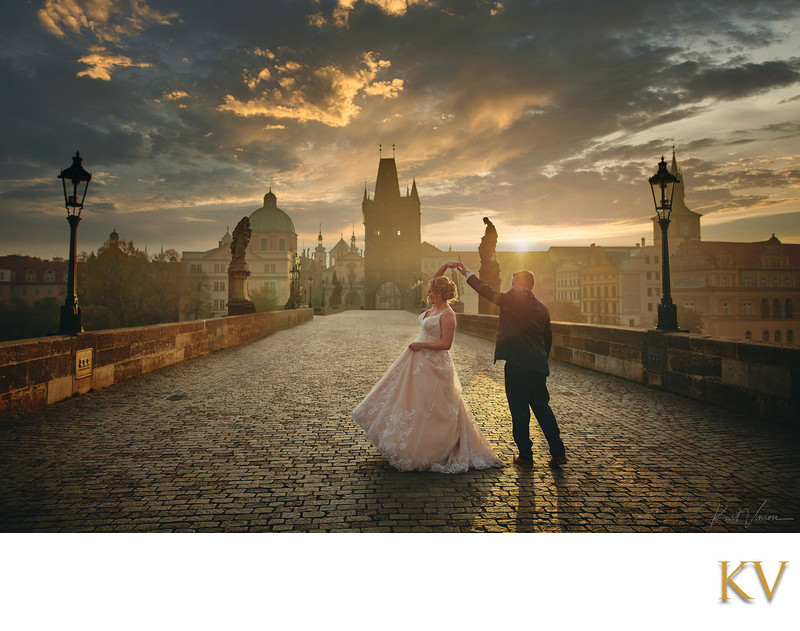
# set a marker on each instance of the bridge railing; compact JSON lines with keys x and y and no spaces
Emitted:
{"x":761,"y":380}
{"x":40,"y":371}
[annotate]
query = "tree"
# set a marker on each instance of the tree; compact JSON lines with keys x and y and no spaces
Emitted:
{"x":196,"y":295}
{"x":19,"y":320}
{"x":114,"y":287}
{"x":565,"y":311}
{"x":689,"y":319}
{"x":265,"y":299}
{"x":120,"y":287}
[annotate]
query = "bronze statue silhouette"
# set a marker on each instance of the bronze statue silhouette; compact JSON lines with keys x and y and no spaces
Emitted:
{"x":489,"y":271}
{"x":241,"y":239}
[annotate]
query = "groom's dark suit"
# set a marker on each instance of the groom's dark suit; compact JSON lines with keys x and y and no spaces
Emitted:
{"x":523,"y":341}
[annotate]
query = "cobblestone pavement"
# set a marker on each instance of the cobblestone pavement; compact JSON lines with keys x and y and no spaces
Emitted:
{"x":259,"y":438}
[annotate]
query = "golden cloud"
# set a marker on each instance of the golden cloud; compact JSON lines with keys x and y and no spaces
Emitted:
{"x":341,"y":12}
{"x":108,"y":20}
{"x":327,"y":94}
{"x":102,"y":63}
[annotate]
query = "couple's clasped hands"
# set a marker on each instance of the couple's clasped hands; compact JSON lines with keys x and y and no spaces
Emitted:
{"x":459,"y":266}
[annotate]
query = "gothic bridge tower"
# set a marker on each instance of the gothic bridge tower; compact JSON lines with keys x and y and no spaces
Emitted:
{"x":392,"y":243}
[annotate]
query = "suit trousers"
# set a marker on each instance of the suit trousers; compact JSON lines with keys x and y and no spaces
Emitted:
{"x":526,"y":390}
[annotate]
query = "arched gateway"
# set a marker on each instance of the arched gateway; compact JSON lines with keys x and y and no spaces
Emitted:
{"x":388,"y":296}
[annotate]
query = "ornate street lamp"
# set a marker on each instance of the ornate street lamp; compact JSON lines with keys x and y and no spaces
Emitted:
{"x":311,"y":291}
{"x":78,"y":177}
{"x":665,"y":182}
{"x":294,"y":287}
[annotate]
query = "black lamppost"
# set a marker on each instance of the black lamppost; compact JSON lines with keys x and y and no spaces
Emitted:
{"x":70,"y":321}
{"x":311,"y":291}
{"x":665,"y":181}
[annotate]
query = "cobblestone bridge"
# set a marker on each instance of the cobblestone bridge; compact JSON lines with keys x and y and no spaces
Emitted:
{"x":259,"y":438}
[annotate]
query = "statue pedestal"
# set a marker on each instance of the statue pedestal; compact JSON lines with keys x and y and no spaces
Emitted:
{"x":239,"y":302}
{"x":489,"y":274}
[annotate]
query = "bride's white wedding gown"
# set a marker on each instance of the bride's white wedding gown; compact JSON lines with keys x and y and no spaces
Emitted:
{"x":416,"y":417}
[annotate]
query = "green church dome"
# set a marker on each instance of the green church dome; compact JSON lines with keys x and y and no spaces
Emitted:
{"x":270,"y":218}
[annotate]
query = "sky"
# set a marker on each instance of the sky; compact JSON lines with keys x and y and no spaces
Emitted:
{"x":547,"y":116}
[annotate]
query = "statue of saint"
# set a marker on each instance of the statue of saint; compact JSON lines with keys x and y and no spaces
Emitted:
{"x":489,"y":272}
{"x":241,"y":239}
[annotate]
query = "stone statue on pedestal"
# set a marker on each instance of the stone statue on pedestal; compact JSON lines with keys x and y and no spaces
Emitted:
{"x":489,"y":272}
{"x":239,"y":302}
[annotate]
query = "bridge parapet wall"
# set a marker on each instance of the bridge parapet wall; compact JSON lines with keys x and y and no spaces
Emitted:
{"x":761,"y":380}
{"x":40,"y":371}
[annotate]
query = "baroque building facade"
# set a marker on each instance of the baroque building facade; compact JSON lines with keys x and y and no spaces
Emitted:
{"x":745,"y":291}
{"x":321,"y":271}
{"x":270,"y":256}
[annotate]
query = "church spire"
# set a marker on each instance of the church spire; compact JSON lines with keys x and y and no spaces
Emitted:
{"x":387,"y":186}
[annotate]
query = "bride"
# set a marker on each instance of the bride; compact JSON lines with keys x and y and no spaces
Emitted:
{"x":415,"y":415}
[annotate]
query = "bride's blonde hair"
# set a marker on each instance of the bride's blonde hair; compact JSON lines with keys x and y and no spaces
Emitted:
{"x":444,"y":287}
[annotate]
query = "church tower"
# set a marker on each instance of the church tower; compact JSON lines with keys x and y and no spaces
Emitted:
{"x":684,"y":223}
{"x":391,"y":242}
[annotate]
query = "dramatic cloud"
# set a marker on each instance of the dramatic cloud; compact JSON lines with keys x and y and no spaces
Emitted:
{"x":327,"y":94}
{"x":547,"y":116}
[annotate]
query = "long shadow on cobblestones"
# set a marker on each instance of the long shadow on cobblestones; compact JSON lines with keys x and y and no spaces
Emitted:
{"x":259,"y":438}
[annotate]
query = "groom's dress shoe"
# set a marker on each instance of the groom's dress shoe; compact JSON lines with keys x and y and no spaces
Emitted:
{"x":522,"y":462}
{"x":557,"y":461}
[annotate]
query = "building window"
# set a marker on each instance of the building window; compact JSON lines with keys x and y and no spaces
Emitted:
{"x":747,"y":308}
{"x":789,"y":311}
{"x":789,"y":336}
{"x":764,"y":308}
{"x":776,"y":309}
{"x":49,"y":276}
{"x":264,"y":244}
{"x":649,"y":306}
{"x":282,"y":245}
{"x":30,"y":276}
{"x":778,"y":336}
{"x":748,"y":335}
{"x":195,"y":268}
{"x":649,"y":274}
{"x":765,"y":336}
{"x":725,"y":309}
{"x":219,"y":285}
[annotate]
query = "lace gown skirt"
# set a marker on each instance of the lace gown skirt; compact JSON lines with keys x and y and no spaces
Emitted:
{"x":416,"y":417}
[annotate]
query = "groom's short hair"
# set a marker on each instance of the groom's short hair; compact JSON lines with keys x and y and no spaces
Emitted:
{"x":524,"y":278}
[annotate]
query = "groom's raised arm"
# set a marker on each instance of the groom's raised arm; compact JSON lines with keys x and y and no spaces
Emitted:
{"x":479,"y":286}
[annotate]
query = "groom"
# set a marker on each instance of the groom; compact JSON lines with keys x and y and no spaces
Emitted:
{"x":523,"y":341}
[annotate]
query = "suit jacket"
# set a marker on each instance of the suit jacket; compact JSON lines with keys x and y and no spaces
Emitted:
{"x":523,"y":336}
